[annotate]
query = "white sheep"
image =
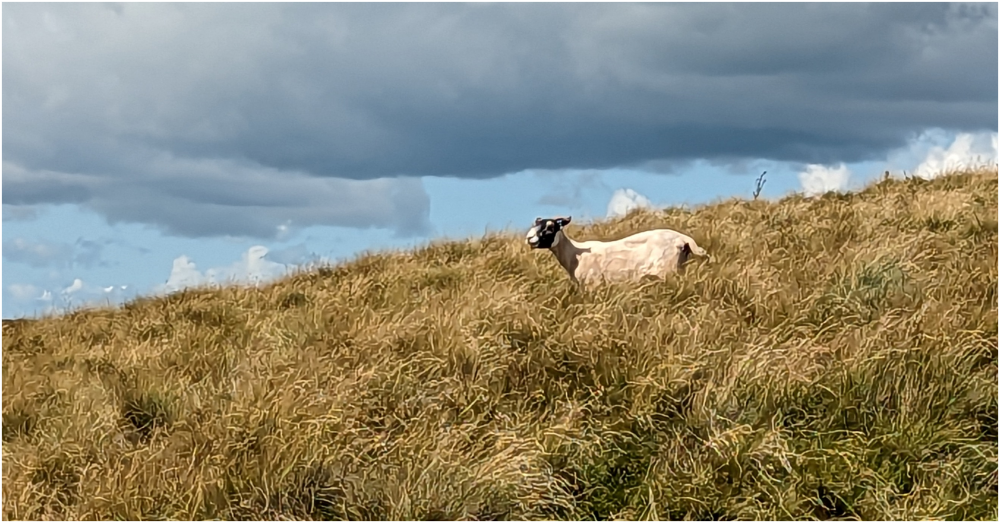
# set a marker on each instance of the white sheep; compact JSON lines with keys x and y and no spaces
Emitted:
{"x":656,"y":252}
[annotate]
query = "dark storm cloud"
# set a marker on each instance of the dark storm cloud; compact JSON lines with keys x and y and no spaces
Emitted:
{"x":23,"y":188}
{"x":115,"y":104}
{"x":215,"y":198}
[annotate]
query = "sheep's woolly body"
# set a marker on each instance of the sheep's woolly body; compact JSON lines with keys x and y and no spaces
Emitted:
{"x":657,"y":252}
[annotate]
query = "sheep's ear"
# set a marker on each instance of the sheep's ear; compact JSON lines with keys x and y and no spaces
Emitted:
{"x":564,"y":221}
{"x":538,"y":220}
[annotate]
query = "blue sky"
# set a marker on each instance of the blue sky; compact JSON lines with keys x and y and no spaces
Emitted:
{"x":148,"y":147}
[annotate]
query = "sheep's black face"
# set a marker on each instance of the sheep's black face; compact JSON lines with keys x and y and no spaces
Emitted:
{"x":543,"y":235}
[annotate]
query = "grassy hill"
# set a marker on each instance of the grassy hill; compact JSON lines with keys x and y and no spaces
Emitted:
{"x":837,"y":358}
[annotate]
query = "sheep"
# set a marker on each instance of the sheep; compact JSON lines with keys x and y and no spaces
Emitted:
{"x":656,"y":252}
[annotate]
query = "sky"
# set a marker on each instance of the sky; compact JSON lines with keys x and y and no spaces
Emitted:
{"x":149,"y":147}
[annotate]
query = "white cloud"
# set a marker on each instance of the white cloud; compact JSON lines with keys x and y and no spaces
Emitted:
{"x":965,"y":150}
{"x":34,"y":298}
{"x":819,"y":179}
{"x":253,"y":267}
{"x":284,"y":231}
{"x":74,"y":287}
{"x":184,"y":273}
{"x":60,"y":298}
{"x":934,"y":150}
{"x":624,"y":200}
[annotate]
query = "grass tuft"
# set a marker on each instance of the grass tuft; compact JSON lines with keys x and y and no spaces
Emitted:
{"x":146,"y":412}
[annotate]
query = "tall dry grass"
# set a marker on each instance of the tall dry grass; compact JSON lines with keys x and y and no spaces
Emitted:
{"x":837,"y":358}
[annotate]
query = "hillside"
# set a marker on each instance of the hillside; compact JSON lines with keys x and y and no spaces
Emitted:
{"x":837,"y":358}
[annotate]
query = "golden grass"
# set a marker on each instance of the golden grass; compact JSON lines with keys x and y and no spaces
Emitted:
{"x":837,"y":358}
